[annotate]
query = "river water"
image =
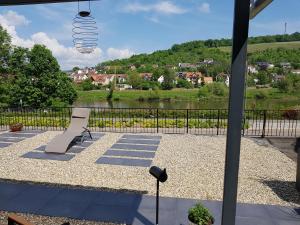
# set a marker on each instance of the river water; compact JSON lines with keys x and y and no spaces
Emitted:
{"x":200,"y":104}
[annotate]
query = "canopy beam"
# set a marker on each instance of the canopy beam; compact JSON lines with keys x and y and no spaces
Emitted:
{"x":30,"y":2}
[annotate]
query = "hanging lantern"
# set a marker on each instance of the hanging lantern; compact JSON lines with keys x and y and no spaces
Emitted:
{"x":85,"y":31}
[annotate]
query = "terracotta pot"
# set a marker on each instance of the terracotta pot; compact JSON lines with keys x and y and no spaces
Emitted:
{"x":16,"y":127}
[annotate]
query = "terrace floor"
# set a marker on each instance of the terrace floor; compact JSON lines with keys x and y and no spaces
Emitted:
{"x":115,"y":162}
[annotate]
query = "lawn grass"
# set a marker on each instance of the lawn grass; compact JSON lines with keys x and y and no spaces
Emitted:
{"x":176,"y":94}
{"x":263,"y":46}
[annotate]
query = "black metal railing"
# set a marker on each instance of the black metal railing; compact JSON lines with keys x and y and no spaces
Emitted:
{"x":262,"y":123}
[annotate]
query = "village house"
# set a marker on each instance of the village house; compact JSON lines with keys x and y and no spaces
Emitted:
{"x":187,"y":66}
{"x":121,"y":78}
{"x":252,"y":69}
{"x":161,"y":79}
{"x":223,"y":77}
{"x":132,"y":67}
{"x":206,"y":62}
{"x":207,"y":80}
{"x":285,"y":65}
{"x":265,"y":65}
{"x":193,"y":77}
{"x":122,"y":87}
{"x":79,"y":78}
{"x":102,"y":79}
{"x":296,"y":72}
{"x":276,"y":77}
{"x":146,"y":76}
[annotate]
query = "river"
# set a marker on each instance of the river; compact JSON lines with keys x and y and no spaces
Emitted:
{"x":200,"y":104}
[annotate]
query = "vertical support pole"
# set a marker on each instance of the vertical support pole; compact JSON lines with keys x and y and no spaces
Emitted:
{"x":297,"y":149}
{"x":187,"y":121}
{"x":157,"y":201}
{"x":218,"y":125}
{"x":264,"y":124}
{"x":236,"y":107}
{"x":157,"y":120}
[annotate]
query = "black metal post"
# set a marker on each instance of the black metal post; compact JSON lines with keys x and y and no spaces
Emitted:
{"x":187,"y":121}
{"x":264,"y":124}
{"x":297,"y":149}
{"x":157,"y":120}
{"x":236,"y":108}
{"x":157,"y":201}
{"x":218,"y":126}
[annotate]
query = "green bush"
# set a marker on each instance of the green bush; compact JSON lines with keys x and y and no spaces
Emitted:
{"x":200,"y":215}
{"x":260,"y":95}
{"x":218,"y":89}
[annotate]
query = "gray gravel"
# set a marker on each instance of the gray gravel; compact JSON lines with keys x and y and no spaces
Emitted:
{"x":195,"y":165}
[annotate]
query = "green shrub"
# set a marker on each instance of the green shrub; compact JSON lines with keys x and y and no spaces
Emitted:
{"x":200,"y":215}
{"x":260,"y":95}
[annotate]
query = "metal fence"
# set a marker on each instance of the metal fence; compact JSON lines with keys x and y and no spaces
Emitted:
{"x":283,"y":123}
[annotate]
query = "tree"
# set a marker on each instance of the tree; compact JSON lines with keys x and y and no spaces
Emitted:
{"x":134,"y":79}
{"x":87,"y":85}
{"x":263,"y":78}
{"x":76,"y":68}
{"x":5,"y":46}
{"x":181,"y":83}
{"x":169,"y":78}
{"x":41,"y":82}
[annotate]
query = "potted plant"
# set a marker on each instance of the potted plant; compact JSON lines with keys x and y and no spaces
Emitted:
{"x":15,"y":127}
{"x":200,"y":215}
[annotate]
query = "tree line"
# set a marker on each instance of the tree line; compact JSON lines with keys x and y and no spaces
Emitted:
{"x":31,"y":77}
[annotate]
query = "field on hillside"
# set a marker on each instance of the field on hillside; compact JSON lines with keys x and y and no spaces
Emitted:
{"x":263,"y":46}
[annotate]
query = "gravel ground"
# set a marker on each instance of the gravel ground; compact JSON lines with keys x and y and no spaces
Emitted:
{"x":195,"y":165}
{"x":45,"y":220}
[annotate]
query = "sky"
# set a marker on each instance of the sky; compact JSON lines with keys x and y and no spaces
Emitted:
{"x":128,"y":27}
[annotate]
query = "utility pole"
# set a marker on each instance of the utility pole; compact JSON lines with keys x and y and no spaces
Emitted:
{"x":285,"y":28}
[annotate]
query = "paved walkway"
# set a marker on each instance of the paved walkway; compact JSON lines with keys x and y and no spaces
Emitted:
{"x":127,"y":208}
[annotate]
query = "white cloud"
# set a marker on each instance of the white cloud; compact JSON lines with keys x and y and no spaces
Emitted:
{"x":68,"y":57}
{"x":11,"y":18}
{"x":113,"y":53}
{"x":204,"y":8}
{"x":164,"y":7}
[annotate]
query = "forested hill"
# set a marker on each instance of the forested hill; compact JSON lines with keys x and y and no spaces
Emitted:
{"x":195,"y":51}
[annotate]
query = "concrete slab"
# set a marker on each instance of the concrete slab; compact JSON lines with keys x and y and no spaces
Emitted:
{"x":17,"y":134}
{"x":136,"y":141}
{"x":31,"y":199}
{"x":48,"y":156}
{"x":32,"y":131}
{"x":135,"y":147}
{"x":41,"y":148}
{"x":11,"y":140}
{"x":4,"y":144}
{"x":124,"y":162}
{"x":76,"y":149}
{"x":138,"y":154}
{"x":128,"y":208}
{"x":129,"y":136}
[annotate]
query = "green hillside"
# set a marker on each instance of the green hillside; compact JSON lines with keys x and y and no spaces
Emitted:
{"x":271,"y":48}
{"x":263,"y":46}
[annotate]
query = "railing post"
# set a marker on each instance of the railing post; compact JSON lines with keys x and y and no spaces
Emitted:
{"x":157,"y":120}
{"x":264,"y":124}
{"x":187,"y":121}
{"x":218,"y":125}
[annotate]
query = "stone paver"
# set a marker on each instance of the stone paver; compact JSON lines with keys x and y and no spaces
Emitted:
{"x":129,"y":208}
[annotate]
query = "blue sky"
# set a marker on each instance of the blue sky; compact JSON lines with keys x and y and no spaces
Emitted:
{"x":129,"y":27}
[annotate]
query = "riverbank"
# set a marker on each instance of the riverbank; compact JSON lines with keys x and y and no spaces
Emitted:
{"x":267,"y":98}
